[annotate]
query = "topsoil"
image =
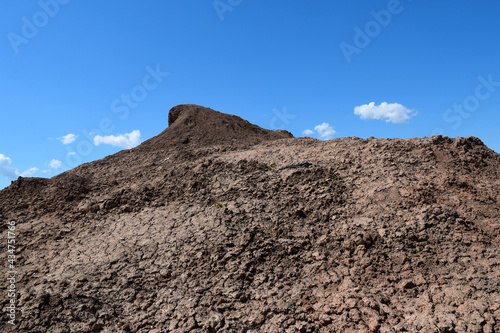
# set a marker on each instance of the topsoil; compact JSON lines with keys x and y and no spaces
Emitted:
{"x":218,"y":225}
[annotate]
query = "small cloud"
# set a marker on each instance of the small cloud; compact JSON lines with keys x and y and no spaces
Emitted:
{"x":28,"y":172}
{"x":10,"y":172}
{"x":128,"y":140}
{"x":71,"y":153}
{"x":5,"y":168}
{"x":67,"y":139}
{"x":391,"y":112}
{"x":307,"y":132}
{"x":55,"y":164}
{"x":325,"y":131}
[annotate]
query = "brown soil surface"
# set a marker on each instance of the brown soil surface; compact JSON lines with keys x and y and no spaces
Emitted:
{"x":196,"y":230}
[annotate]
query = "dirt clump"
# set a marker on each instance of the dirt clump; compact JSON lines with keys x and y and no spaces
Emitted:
{"x":217,"y":225}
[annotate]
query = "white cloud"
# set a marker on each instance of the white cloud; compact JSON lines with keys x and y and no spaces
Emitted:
{"x":391,"y":112}
{"x":325,"y":131}
{"x":71,"y":153}
{"x":10,"y":172}
{"x":28,"y":172}
{"x":307,"y":132}
{"x":128,"y":140}
{"x":67,"y":139}
{"x":5,"y":168}
{"x":55,"y":164}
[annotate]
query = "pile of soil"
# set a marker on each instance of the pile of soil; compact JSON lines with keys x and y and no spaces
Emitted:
{"x":217,"y":225}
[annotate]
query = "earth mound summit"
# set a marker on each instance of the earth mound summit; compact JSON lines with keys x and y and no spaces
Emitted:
{"x":199,"y":126}
{"x":218,"y":225}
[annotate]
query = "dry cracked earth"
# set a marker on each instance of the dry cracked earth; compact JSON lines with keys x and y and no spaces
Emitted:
{"x":218,"y":225}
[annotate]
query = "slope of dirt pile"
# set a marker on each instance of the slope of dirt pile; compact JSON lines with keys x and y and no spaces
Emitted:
{"x":232,"y":231}
{"x":193,"y":125}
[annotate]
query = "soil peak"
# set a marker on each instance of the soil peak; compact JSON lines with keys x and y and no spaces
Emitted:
{"x":195,"y":125}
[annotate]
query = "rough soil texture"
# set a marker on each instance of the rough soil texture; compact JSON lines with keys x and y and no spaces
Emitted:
{"x":196,"y":230}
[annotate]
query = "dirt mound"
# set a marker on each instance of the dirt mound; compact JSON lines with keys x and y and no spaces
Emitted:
{"x":242,"y":229}
{"x":196,"y":126}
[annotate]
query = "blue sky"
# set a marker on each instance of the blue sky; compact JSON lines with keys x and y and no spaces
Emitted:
{"x":81,"y":80}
